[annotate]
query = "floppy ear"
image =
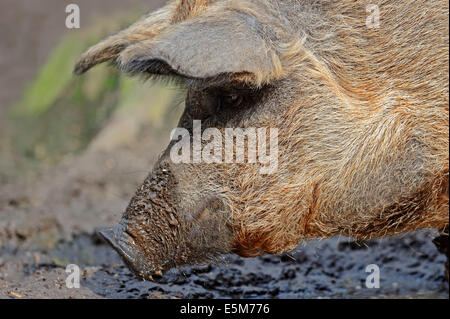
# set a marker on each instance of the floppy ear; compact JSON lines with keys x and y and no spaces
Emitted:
{"x":207,"y":46}
{"x":146,"y":28}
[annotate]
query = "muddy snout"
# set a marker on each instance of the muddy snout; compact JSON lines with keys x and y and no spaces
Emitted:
{"x":125,"y":245}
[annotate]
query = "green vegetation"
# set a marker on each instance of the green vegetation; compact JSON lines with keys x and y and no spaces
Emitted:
{"x":60,"y":113}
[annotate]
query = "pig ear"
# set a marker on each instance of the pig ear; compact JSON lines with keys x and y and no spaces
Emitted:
{"x":108,"y":49}
{"x":205,"y":47}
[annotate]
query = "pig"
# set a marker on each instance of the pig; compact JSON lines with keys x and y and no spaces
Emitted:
{"x":358,"y":91}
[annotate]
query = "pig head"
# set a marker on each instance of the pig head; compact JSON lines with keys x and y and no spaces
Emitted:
{"x":361,"y":114}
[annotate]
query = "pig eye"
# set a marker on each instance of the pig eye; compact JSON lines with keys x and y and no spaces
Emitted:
{"x":228,"y":100}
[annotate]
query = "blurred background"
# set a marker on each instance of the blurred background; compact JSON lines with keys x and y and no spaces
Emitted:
{"x":45,"y":112}
{"x":69,"y":141}
{"x":73,"y":150}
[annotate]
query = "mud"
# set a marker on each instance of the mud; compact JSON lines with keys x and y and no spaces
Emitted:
{"x":409,"y":266}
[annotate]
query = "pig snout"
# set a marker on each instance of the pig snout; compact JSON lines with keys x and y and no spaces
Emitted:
{"x":124,"y":244}
{"x":169,"y":224}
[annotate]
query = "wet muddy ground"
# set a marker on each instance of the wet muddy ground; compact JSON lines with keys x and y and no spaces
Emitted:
{"x":409,"y":267}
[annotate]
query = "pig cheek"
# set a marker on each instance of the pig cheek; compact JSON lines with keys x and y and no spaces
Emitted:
{"x":209,"y":235}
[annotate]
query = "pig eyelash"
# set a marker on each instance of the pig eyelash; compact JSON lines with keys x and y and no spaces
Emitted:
{"x":152,"y":67}
{"x":172,"y":81}
{"x":160,"y":71}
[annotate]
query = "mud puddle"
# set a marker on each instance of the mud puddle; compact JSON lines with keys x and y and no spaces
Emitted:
{"x":410,"y":267}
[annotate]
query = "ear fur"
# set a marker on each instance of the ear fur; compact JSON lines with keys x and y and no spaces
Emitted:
{"x":207,"y":46}
{"x":194,"y":41}
{"x":146,"y":28}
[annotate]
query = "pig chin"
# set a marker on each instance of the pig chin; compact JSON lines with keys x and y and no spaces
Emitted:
{"x":124,"y":244}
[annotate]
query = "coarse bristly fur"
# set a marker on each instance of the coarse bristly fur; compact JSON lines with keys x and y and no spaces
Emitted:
{"x":362,"y":114}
